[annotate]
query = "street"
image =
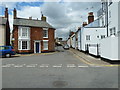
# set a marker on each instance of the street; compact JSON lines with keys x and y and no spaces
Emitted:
{"x":56,"y":70}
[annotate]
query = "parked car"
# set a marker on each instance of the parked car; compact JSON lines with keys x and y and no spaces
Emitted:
{"x":66,"y":47}
{"x":6,"y":51}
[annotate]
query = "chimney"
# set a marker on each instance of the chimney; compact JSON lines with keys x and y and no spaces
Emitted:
{"x":6,"y":12}
{"x":15,"y":13}
{"x":30,"y":18}
{"x":43,"y":18}
{"x":90,"y":17}
{"x":84,"y":24}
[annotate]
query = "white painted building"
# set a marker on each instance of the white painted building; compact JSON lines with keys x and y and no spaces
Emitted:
{"x":109,"y":46}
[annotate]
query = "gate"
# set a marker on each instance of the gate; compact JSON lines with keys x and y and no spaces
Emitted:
{"x":95,"y":46}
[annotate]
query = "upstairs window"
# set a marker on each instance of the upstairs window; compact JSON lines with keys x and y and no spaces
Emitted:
{"x":24,"y":32}
{"x":102,"y":36}
{"x":45,"y":33}
{"x":113,"y":31}
{"x":87,"y":37}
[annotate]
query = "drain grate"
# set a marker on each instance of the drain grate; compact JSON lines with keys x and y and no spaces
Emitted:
{"x":60,"y":83}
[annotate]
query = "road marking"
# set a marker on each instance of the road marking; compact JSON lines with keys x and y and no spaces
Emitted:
{"x":17,"y":66}
{"x":83,"y":66}
{"x":71,"y":65}
{"x":92,"y":64}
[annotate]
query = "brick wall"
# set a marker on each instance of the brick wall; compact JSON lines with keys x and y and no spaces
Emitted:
{"x":51,"y":36}
{"x":35,"y":34}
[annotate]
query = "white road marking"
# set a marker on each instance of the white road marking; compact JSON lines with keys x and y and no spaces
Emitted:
{"x":71,"y":65}
{"x":44,"y":65}
{"x":17,"y":66}
{"x":83,"y":66}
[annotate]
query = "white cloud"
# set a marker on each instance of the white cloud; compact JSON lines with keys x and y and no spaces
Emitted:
{"x":63,"y":16}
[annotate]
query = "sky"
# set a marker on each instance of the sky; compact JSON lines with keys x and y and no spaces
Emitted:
{"x":64,"y":16}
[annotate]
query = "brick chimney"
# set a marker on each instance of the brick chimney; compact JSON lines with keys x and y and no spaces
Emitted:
{"x":14,"y":13}
{"x":90,"y":17}
{"x":6,"y":12}
{"x":84,"y":24}
{"x":43,"y":18}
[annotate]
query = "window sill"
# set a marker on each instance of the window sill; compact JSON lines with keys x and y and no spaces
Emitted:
{"x":45,"y":37}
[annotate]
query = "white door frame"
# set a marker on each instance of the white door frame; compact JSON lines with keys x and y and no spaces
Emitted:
{"x":35,"y":45}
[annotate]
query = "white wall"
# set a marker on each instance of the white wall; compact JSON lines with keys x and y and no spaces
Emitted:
{"x":113,"y":20}
{"x":79,"y":40}
{"x":119,"y":30}
{"x":93,"y":32}
{"x":109,"y":48}
{"x":2,"y":35}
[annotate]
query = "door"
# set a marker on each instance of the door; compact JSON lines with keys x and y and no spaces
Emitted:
{"x":37,"y":47}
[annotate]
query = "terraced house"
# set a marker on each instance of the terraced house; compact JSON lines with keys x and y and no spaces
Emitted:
{"x":4,"y":29}
{"x":32,"y":35}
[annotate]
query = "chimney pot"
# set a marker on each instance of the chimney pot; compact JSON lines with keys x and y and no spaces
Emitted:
{"x":90,"y":17}
{"x":43,"y":18}
{"x":84,"y":24}
{"x":6,"y":12}
{"x":15,"y":13}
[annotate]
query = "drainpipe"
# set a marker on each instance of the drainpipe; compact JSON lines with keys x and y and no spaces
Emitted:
{"x":107,"y":16}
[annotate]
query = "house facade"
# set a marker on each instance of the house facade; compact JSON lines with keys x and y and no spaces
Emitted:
{"x":32,"y":36}
{"x":112,"y":41}
{"x":4,"y":30}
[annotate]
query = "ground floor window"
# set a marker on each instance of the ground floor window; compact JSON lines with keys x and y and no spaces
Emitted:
{"x":24,"y":45}
{"x":45,"y":45}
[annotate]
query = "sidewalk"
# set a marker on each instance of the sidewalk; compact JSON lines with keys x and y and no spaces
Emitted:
{"x":89,"y":59}
{"x":35,"y":54}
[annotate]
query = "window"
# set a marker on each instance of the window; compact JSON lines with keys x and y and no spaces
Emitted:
{"x":87,"y":37}
{"x":24,"y":45}
{"x":102,"y":36}
{"x":113,"y":31}
{"x":109,"y":14}
{"x":45,"y":45}
{"x":24,"y":32}
{"x":45,"y":32}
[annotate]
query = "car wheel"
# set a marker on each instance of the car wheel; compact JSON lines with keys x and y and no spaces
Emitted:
{"x":8,"y":55}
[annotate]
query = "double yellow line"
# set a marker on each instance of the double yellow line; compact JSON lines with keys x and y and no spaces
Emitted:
{"x":92,"y":64}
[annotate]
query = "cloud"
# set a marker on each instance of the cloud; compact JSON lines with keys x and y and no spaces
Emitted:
{"x":64,"y":16}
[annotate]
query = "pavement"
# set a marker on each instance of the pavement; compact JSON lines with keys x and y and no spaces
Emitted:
{"x":90,"y":60}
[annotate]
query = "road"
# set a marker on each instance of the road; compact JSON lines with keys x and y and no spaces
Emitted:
{"x":56,"y":70}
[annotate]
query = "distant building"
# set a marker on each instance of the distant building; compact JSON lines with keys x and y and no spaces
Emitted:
{"x":4,"y":29}
{"x":32,"y":36}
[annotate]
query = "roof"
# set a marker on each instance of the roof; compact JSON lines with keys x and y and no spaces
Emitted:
{"x":31,"y":23}
{"x":3,"y":20}
{"x":94,"y":24}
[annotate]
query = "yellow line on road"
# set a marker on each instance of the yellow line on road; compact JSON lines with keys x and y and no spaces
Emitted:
{"x":89,"y":63}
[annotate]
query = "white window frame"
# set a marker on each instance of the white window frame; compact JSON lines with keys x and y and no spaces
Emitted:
{"x":47,"y":44}
{"x":20,"y":45}
{"x":21,"y":30}
{"x":45,"y":29}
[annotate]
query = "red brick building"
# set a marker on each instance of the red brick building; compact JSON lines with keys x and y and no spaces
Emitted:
{"x":32,"y":36}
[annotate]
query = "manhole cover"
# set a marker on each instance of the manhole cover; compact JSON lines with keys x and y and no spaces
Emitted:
{"x":60,"y":83}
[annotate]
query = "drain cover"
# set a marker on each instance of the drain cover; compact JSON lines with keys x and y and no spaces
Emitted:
{"x":59,"y":83}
